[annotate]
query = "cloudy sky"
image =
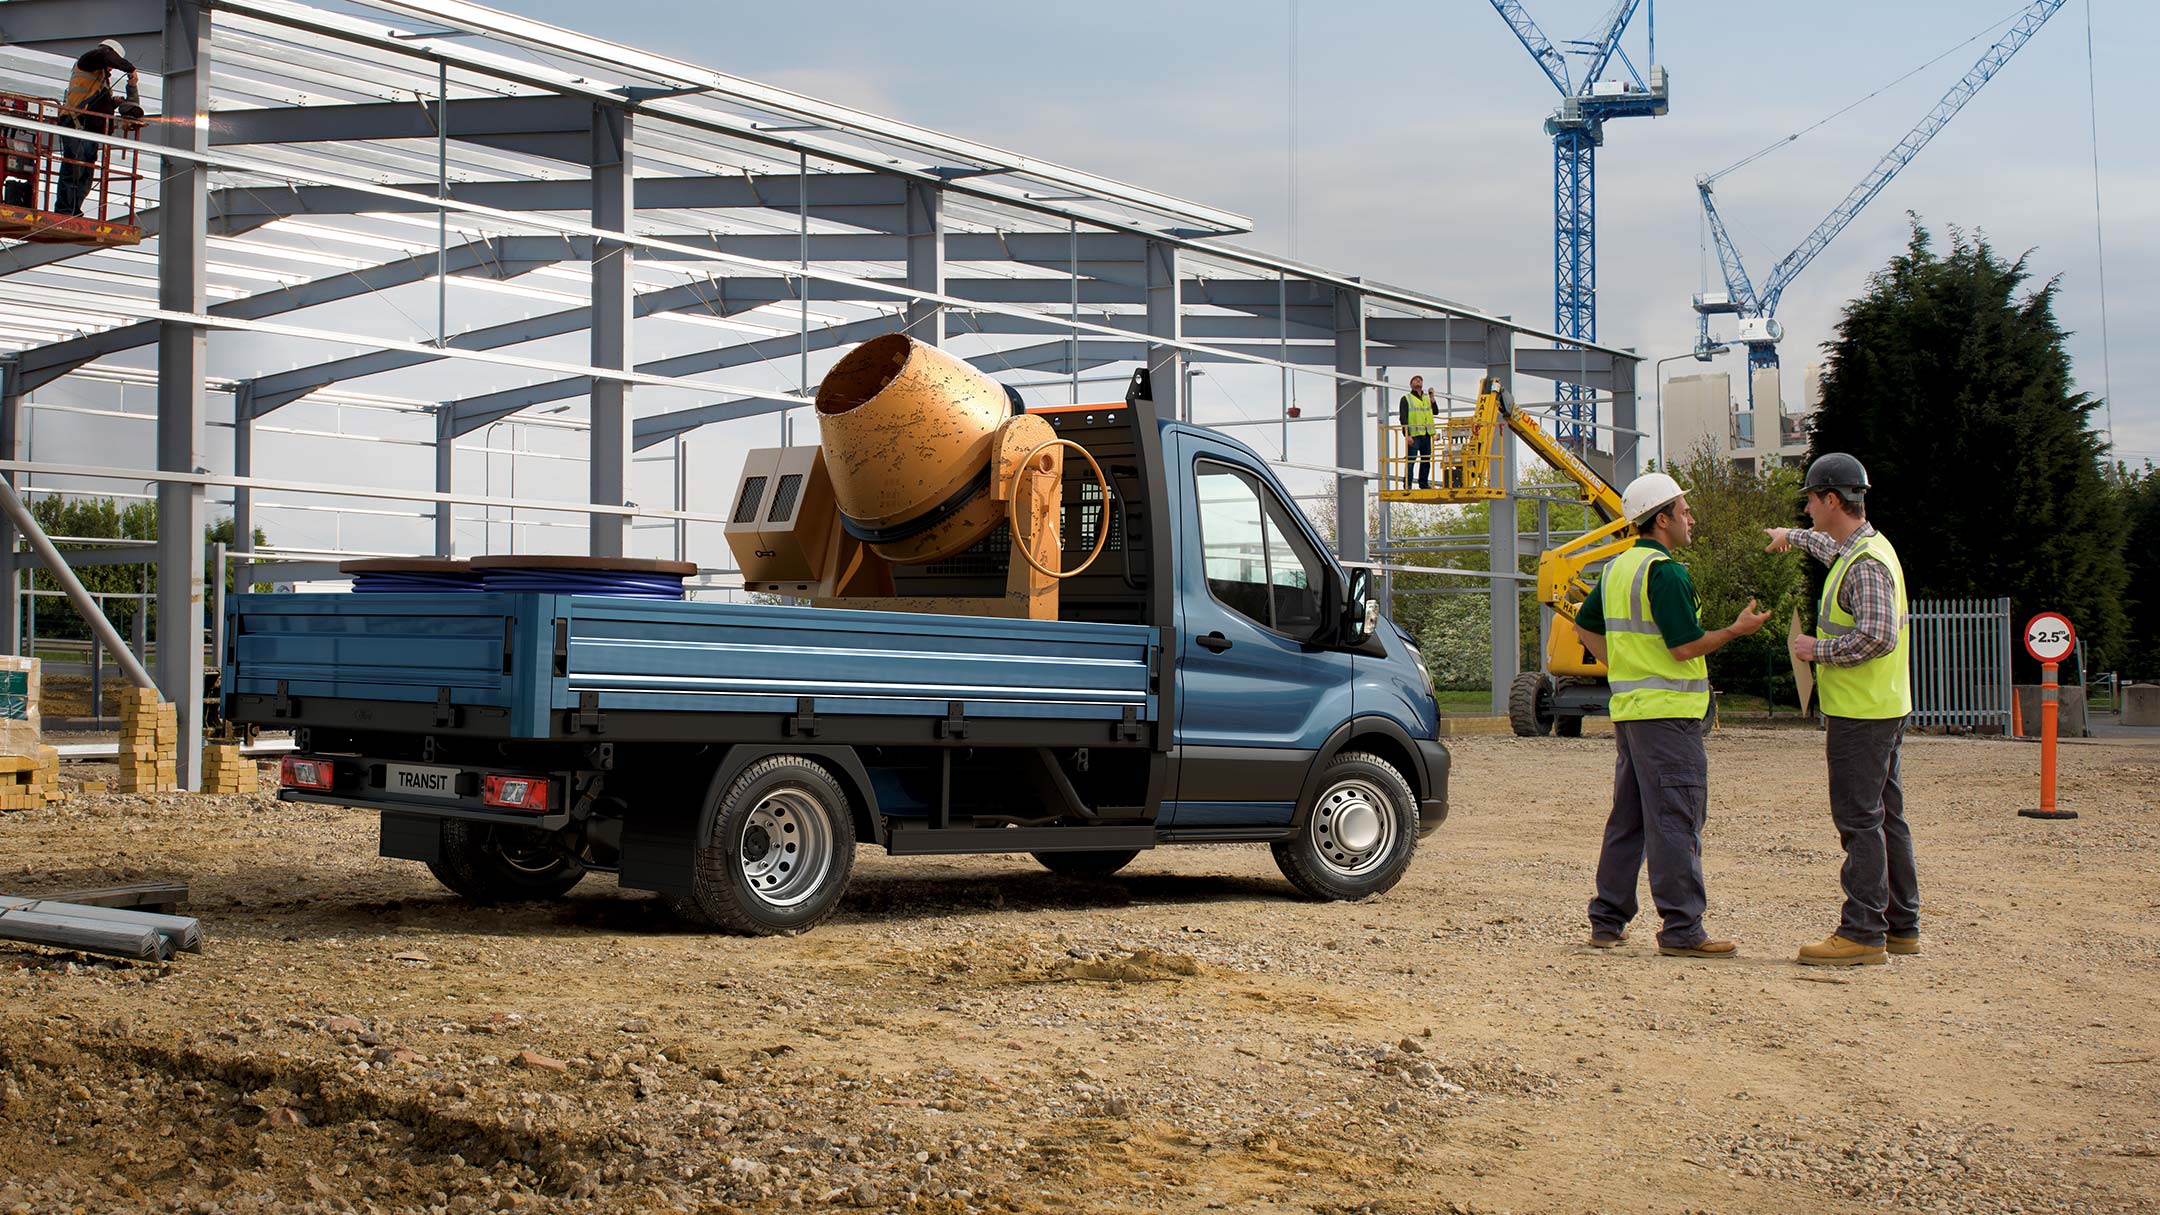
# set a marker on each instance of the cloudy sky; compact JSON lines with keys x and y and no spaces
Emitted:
{"x":1422,"y":161}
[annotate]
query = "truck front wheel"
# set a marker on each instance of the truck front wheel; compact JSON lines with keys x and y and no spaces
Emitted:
{"x":494,"y":864}
{"x":1360,"y":836}
{"x":779,"y":852}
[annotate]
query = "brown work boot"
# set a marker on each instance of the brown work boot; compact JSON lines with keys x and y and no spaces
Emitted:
{"x":1902,"y":945}
{"x":1607,"y":940}
{"x":1835,"y":950}
{"x":1700,"y":949}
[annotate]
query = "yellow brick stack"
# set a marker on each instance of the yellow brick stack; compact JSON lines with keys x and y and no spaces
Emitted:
{"x":225,"y":770}
{"x":149,"y":743}
{"x":29,"y":770}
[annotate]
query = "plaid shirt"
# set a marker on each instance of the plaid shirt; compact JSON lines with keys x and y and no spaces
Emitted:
{"x":1866,"y":594}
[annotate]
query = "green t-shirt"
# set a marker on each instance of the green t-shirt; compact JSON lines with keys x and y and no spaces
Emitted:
{"x":1672,"y":602}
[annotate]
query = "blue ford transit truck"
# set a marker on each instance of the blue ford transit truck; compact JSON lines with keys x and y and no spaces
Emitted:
{"x":1215,"y":677}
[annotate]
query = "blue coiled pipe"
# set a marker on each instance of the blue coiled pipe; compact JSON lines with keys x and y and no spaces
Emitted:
{"x":620,"y":584}
{"x":376,"y":582}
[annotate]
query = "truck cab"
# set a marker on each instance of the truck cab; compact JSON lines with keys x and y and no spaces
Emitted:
{"x":1215,"y":676}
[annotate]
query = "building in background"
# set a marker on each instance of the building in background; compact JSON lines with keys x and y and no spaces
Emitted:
{"x":1700,"y":411}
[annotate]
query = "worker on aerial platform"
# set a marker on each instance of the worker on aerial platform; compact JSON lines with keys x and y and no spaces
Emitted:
{"x":91,"y":105}
{"x":1416,"y":413}
{"x":21,"y":164}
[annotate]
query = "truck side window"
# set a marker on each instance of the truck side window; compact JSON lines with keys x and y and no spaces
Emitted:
{"x":1257,"y":562}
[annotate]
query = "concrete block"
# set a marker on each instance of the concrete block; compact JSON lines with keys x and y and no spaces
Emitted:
{"x":2069,"y":713}
{"x":2141,"y":704}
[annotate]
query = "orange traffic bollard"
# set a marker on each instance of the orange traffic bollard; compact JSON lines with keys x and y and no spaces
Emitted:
{"x":2050,"y":696}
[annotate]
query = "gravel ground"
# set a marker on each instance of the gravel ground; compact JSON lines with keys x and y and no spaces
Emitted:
{"x":973,"y":1034}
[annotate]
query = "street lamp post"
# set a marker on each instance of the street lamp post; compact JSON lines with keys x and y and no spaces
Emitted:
{"x":1657,"y":372}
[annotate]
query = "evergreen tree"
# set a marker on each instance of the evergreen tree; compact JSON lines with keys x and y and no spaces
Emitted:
{"x":1727,"y":563}
{"x":1948,"y":379}
{"x":2141,"y":554}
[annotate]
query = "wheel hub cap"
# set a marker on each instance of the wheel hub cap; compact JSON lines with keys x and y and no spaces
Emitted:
{"x":786,"y":847}
{"x":1353,"y":828}
{"x":1357,"y":826}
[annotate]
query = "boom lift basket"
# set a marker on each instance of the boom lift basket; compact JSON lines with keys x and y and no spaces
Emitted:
{"x":32,"y":166}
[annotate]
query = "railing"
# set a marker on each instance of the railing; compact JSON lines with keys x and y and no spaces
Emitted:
{"x":1465,"y":462}
{"x":1961,"y":663}
{"x":35,"y":161}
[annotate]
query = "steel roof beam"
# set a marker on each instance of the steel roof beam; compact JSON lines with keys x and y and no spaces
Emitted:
{"x":41,"y":365}
{"x":69,"y":27}
{"x":863,"y":200}
{"x":1111,"y":256}
{"x":554,"y":127}
{"x":471,"y":413}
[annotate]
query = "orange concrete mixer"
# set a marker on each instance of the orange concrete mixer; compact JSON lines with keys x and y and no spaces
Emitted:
{"x":920,"y":456}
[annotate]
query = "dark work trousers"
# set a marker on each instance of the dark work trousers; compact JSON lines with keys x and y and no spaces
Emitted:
{"x":1420,"y":467}
{"x":75,"y":175}
{"x":1661,"y":794}
{"x":1882,"y":888}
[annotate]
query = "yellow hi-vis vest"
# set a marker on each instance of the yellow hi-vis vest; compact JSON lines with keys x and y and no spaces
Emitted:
{"x":1647,"y":681}
{"x":1421,"y":414}
{"x":1880,"y":687}
{"x":82,"y":88}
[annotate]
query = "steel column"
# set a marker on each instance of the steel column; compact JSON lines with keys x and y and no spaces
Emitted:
{"x":1501,"y":529}
{"x":243,"y":466}
{"x":926,"y":260}
{"x":613,"y":290}
{"x":1350,"y":542}
{"x":1627,"y":445}
{"x":11,"y":448}
{"x":445,"y":476}
{"x":1166,"y":364}
{"x":182,"y":365}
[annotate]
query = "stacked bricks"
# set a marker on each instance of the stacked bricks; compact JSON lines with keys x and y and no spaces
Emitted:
{"x":225,"y":770}
{"x":29,"y":782}
{"x":149,"y":743}
{"x":29,"y":770}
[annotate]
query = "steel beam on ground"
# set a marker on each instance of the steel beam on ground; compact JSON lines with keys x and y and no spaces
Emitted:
{"x":1500,"y":530}
{"x":1350,"y":538}
{"x":613,"y":289}
{"x":925,"y":320}
{"x":1165,"y":320}
{"x":182,"y":348}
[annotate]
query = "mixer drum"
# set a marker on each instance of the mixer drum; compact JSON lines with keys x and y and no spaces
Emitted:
{"x":907,"y":431}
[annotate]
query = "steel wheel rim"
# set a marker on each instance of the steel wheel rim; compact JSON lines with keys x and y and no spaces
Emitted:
{"x":785,"y":847}
{"x":1353,"y":828}
{"x":528,"y":855}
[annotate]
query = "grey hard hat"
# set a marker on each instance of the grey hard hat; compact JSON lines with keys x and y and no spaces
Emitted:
{"x":1839,"y":473}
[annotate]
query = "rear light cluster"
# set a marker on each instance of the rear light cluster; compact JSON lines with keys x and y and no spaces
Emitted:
{"x":298,"y":773}
{"x":515,"y":792}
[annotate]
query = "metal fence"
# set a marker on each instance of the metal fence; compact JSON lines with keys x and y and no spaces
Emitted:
{"x":1961,"y":663}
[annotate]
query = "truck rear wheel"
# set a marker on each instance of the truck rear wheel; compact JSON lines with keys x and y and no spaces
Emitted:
{"x":488,"y":863}
{"x":1361,"y":835}
{"x":779,"y":852}
{"x":1099,"y":864}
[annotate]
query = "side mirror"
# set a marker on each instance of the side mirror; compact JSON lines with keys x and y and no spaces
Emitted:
{"x":1361,"y":610}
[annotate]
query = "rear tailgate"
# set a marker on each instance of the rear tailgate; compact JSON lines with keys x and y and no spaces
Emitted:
{"x":393,"y":662}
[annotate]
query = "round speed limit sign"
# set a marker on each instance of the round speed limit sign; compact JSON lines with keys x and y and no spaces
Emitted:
{"x":2049,"y":637}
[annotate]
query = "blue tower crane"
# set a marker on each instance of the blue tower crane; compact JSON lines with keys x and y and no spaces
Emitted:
{"x":1755,"y":308}
{"x":1577,"y":129}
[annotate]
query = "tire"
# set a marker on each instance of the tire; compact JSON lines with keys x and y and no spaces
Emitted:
{"x":1530,"y":705}
{"x":487,"y":863}
{"x":779,"y":852}
{"x":1360,"y":836}
{"x":1087,"y":865}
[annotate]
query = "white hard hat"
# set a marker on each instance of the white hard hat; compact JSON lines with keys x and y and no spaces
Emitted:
{"x":1647,"y":493}
{"x":114,"y":44}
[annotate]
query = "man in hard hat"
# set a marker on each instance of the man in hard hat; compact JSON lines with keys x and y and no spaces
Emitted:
{"x":1642,"y":621}
{"x":1865,"y":691}
{"x":1415,"y":412}
{"x":89,"y":106}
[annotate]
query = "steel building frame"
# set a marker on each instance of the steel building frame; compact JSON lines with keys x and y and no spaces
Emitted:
{"x":387,"y":146}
